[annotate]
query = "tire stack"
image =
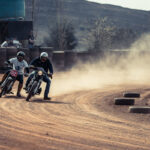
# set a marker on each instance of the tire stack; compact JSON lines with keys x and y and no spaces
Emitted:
{"x":129,"y":99}
{"x":124,"y":101}
{"x":139,"y":109}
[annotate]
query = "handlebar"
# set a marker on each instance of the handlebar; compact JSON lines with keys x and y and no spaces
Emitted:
{"x":10,"y":65}
{"x":50,"y":75}
{"x":41,"y":69}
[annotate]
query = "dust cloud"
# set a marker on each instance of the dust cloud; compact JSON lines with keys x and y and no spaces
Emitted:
{"x":131,"y":67}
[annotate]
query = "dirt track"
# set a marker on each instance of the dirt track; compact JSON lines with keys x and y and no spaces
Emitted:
{"x":83,"y":120}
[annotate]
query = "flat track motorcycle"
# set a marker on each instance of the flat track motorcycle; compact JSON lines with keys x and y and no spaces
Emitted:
{"x":7,"y":84}
{"x":34,"y":87}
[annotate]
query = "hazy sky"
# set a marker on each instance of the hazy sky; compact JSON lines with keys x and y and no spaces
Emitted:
{"x":134,"y":4}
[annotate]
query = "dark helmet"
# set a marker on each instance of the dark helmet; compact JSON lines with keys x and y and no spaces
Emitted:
{"x":21,"y":53}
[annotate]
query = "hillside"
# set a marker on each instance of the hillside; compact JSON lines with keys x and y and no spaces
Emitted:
{"x":81,"y":12}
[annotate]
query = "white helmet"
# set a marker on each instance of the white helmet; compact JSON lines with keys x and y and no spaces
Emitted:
{"x":44,"y":54}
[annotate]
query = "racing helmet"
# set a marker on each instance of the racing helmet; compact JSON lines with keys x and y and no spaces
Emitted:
{"x":21,"y":53}
{"x":44,"y":54}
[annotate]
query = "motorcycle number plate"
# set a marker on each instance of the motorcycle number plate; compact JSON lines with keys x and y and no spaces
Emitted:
{"x":14,"y":73}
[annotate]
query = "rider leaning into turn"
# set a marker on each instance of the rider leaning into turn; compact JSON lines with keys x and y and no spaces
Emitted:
{"x":46,"y":64}
{"x":19,"y":64}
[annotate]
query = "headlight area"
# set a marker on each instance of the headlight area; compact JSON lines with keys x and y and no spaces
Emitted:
{"x":40,"y":73}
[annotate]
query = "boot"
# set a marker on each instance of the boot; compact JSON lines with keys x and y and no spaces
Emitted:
{"x":47,"y":98}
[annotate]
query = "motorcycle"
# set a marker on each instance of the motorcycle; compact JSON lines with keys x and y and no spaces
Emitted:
{"x":7,"y":84}
{"x":34,"y":86}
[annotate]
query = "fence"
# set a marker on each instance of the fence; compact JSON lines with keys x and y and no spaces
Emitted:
{"x":60,"y":59}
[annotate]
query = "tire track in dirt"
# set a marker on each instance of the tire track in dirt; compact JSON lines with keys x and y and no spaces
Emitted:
{"x":84,"y":120}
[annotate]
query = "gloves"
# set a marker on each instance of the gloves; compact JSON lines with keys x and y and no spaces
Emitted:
{"x":26,"y":74}
{"x":50,"y":75}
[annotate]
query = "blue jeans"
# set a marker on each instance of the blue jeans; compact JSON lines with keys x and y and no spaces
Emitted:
{"x":45,"y":79}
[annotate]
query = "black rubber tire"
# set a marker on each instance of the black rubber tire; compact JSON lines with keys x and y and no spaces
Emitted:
{"x":131,"y":95}
{"x":30,"y":94}
{"x":139,"y":109}
{"x":2,"y":93}
{"x":124,"y":101}
{"x":5,"y":88}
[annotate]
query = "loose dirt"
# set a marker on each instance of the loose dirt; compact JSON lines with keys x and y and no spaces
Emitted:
{"x":78,"y":120}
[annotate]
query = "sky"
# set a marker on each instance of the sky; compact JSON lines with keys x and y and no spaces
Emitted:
{"x":133,"y":4}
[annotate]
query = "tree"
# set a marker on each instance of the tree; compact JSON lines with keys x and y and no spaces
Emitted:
{"x":62,"y":36}
{"x":101,"y":35}
{"x":124,"y":38}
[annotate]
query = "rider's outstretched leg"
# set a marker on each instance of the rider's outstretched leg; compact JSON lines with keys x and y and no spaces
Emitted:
{"x":20,"y":79}
{"x":48,"y":83}
{"x":19,"y":89}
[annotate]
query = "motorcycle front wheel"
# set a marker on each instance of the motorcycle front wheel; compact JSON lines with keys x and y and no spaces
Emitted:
{"x":4,"y":89}
{"x":31,"y":91}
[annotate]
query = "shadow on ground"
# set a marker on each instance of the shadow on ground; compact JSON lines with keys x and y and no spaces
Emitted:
{"x":46,"y":101}
{"x":14,"y":97}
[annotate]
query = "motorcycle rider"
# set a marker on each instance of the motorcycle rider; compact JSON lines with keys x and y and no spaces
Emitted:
{"x":46,"y":64}
{"x":19,"y":64}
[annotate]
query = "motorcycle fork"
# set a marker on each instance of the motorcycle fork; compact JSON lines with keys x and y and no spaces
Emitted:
{"x":4,"y":82}
{"x":11,"y":84}
{"x":31,"y":82}
{"x":38,"y":87}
